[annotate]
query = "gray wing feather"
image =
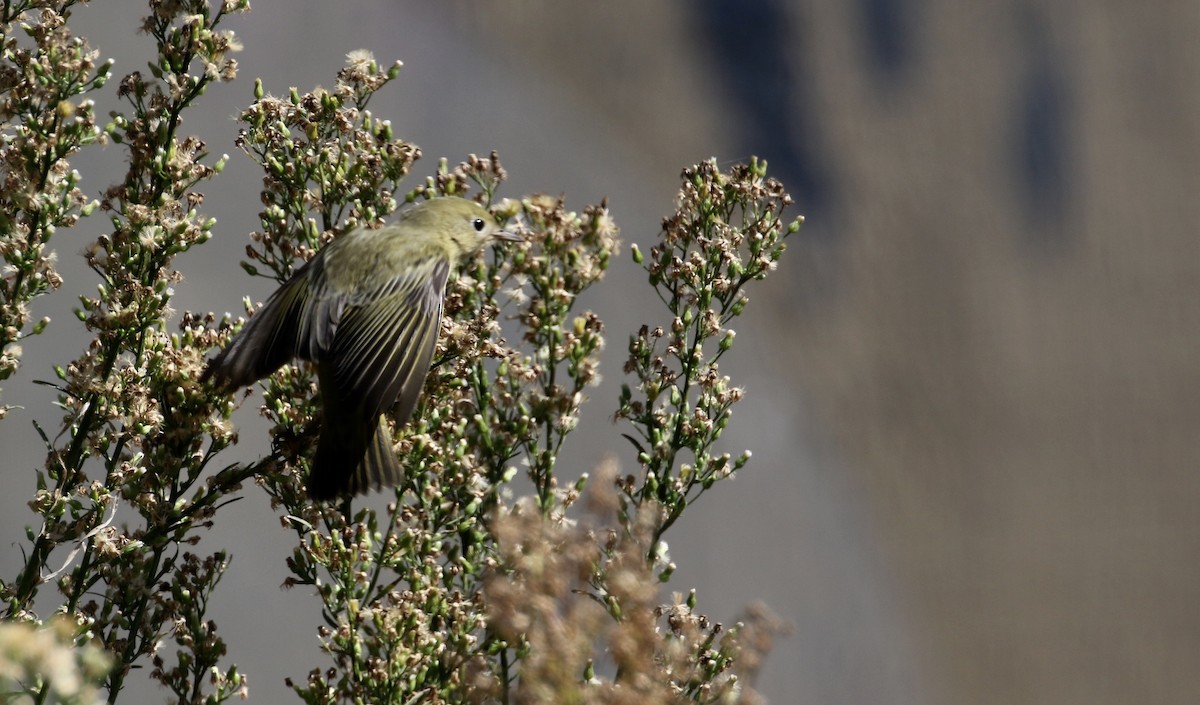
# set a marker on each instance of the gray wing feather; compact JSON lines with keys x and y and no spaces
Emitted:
{"x":298,"y":320}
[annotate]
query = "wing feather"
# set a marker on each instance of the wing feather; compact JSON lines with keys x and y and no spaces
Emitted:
{"x":299,"y":320}
{"x":383,"y":343}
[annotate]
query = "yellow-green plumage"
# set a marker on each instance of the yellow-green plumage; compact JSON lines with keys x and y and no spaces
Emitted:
{"x":366,"y":309}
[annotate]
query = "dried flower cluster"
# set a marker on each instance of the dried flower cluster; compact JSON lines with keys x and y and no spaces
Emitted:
{"x":328,"y":163}
{"x":44,"y":120}
{"x":727,"y":230}
{"x":124,"y":487}
{"x":460,"y":591}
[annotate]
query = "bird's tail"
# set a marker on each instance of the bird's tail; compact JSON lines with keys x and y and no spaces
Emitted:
{"x":353,"y":458}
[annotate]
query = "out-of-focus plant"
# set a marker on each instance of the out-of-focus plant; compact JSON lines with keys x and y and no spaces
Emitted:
{"x":581,"y":599}
{"x":46,"y":658}
{"x":459,"y":590}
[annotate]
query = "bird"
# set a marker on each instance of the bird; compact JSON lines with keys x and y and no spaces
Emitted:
{"x":366,"y":310}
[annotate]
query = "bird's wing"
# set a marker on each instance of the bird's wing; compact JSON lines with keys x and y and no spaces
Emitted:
{"x":266,"y":341}
{"x":384,"y":341}
{"x":298,"y":320}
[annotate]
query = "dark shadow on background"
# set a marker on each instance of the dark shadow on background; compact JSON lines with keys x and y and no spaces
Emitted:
{"x":888,"y":39}
{"x":753,"y":45}
{"x":756,"y":50}
{"x":1040,"y":138}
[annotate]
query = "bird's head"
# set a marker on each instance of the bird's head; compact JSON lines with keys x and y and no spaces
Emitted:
{"x":459,"y":225}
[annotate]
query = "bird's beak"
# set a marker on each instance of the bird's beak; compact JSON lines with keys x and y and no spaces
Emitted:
{"x":507,"y":236}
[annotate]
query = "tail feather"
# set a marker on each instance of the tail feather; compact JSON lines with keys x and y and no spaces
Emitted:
{"x":353,"y":458}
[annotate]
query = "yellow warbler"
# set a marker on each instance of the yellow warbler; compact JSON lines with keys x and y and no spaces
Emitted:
{"x":366,"y":309}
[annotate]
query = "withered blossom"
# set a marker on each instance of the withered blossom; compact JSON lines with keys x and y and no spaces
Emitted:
{"x":44,"y":121}
{"x":124,"y":488}
{"x":727,"y":230}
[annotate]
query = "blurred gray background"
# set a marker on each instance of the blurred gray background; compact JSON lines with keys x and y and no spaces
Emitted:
{"x":972,"y":385}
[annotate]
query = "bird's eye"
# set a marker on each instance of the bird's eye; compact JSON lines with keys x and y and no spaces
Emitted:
{"x":478,"y":224}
